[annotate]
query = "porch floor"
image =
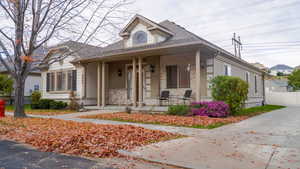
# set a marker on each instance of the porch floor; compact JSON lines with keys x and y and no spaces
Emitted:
{"x":123,"y":108}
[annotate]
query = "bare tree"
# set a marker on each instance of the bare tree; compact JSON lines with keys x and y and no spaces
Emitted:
{"x":27,"y":25}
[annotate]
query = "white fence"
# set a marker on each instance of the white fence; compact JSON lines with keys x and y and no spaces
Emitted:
{"x":283,"y":98}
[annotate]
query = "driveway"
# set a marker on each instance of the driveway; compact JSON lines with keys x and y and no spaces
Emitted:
{"x":19,"y":156}
{"x":268,"y":141}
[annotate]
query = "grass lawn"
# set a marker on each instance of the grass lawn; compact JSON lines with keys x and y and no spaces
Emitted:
{"x":46,"y":112}
{"x":253,"y":111}
{"x":84,"y":139}
{"x":184,"y":121}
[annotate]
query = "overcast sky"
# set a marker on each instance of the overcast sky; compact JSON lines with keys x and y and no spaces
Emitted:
{"x":269,"y":29}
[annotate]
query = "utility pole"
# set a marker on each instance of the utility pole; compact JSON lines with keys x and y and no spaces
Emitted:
{"x":237,"y":44}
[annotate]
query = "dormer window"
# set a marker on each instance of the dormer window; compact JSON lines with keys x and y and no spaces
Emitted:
{"x":139,"y":38}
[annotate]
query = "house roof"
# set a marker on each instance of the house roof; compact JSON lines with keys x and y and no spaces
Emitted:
{"x":81,"y":49}
{"x":180,"y":37}
{"x":38,"y":54}
{"x":281,"y":67}
{"x":153,"y":25}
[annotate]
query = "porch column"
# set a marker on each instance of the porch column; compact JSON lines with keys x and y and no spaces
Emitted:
{"x":99,"y":84}
{"x":198,"y":74}
{"x":134,"y":81}
{"x":103,"y":84}
{"x":140,"y":83}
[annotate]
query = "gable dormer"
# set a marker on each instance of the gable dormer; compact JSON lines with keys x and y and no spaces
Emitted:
{"x":142,"y":31}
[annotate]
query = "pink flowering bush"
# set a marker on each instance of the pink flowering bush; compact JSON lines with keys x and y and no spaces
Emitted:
{"x":210,"y":109}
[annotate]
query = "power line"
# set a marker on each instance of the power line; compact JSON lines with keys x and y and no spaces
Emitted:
{"x":284,"y":42}
{"x":249,"y":5}
{"x":221,"y":15}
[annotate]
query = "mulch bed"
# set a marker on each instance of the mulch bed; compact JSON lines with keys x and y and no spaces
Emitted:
{"x":84,"y":139}
{"x":186,"y":121}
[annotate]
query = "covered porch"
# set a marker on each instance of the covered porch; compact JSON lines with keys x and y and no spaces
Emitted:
{"x":137,"y":79}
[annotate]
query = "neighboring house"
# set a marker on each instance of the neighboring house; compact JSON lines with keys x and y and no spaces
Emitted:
{"x":297,"y":68}
{"x":34,"y":79}
{"x":260,"y":66}
{"x":277,"y":85}
{"x":286,"y":70}
{"x":150,"y":58}
{"x":32,"y":83}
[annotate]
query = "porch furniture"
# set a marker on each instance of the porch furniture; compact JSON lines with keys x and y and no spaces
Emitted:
{"x":165,"y":96}
{"x":187,"y":96}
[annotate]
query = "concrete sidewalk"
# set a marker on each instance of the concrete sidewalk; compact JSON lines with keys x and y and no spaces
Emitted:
{"x":268,"y":141}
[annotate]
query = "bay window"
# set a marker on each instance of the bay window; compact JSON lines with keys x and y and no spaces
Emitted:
{"x":61,"y":81}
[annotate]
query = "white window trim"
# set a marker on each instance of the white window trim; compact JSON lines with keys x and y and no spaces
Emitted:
{"x":249,"y":79}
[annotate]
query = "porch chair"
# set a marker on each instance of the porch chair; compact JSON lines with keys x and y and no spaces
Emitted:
{"x":187,"y":96}
{"x":165,"y":96}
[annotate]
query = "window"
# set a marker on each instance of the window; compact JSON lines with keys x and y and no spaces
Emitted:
{"x":61,"y":81}
{"x":227,"y":70}
{"x":184,"y":76}
{"x":36,"y":87}
{"x":178,"y":76}
{"x":50,"y":82}
{"x":172,"y":77}
{"x":139,"y":37}
{"x":247,"y":77}
{"x":255,"y":83}
{"x":69,"y":76}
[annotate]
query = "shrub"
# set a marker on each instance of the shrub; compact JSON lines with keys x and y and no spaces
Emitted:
{"x":180,"y":110}
{"x":58,"y":105}
{"x":35,"y":98}
{"x":45,"y":103}
{"x":210,"y":109}
{"x":73,"y":105}
{"x":231,"y":90}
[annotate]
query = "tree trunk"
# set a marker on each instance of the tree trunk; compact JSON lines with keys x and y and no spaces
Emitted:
{"x":19,"y":97}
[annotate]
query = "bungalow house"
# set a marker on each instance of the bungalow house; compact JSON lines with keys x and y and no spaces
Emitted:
{"x":151,"y":58}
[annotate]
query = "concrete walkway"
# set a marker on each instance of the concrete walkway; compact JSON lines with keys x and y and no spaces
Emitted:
{"x":268,"y":141}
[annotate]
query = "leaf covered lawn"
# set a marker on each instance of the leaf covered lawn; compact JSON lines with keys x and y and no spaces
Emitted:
{"x":44,"y":112}
{"x":185,"y":121}
{"x":84,"y":139}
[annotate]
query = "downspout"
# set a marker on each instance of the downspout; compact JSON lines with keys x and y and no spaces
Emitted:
{"x":264,"y":90}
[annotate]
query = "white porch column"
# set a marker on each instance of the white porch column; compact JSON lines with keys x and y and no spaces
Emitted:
{"x":103,"y":92}
{"x":198,"y":74}
{"x":134,"y":81}
{"x":99,"y":84}
{"x":140,"y":83}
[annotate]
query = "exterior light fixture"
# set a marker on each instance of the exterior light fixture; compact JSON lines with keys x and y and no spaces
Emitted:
{"x":188,"y":67}
{"x":152,"y":68}
{"x":119,"y":72}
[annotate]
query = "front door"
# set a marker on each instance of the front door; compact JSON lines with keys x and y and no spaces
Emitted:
{"x":129,"y":83}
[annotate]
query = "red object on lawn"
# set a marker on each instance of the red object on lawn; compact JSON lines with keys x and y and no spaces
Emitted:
{"x":2,"y":108}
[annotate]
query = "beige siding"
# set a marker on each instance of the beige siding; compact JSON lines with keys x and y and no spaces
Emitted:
{"x":60,"y":66}
{"x":239,"y":70}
